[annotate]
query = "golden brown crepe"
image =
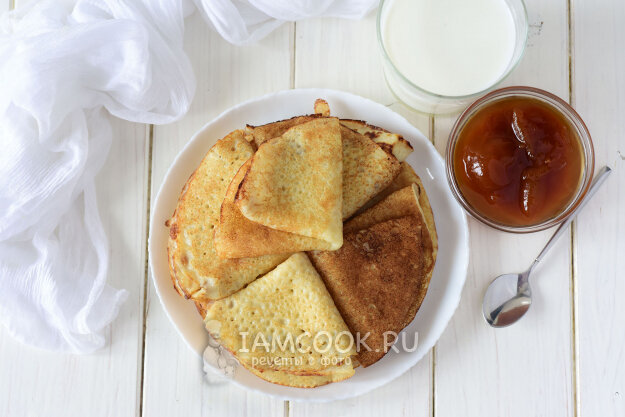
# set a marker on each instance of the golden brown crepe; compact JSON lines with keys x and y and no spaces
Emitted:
{"x":301,"y":381}
{"x":288,"y":302}
{"x":361,"y":141}
{"x":407,"y":201}
{"x":380,"y":276}
{"x":406,"y":177}
{"x":294,"y":182}
{"x":261,"y":134}
{"x":321,"y":107}
{"x":236,"y":236}
{"x":392,"y":143}
{"x":367,"y":170}
{"x":195,"y":268}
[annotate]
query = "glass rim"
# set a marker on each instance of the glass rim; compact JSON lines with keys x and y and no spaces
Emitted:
{"x":388,"y":60}
{"x":570,"y":115}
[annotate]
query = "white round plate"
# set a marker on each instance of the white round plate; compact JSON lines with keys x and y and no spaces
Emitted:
{"x":449,"y":275}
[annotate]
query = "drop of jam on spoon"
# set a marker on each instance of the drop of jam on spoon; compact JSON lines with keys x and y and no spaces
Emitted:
{"x":518,"y":161}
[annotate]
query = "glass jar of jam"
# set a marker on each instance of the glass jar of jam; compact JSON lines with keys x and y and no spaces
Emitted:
{"x":519,"y":159}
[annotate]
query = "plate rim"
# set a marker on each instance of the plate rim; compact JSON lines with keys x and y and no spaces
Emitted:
{"x":464,"y":232}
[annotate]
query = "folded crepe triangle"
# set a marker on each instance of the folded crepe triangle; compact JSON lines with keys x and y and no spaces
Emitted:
{"x":407,"y":177}
{"x":238,"y":237}
{"x":380,"y":276}
{"x":294,"y":182}
{"x":367,"y":166}
{"x":367,"y":170}
{"x":295,"y":301}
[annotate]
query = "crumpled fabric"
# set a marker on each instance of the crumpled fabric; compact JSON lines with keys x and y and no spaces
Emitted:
{"x":246,"y":21}
{"x":65,"y":68}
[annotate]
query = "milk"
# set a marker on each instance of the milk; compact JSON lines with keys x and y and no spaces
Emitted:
{"x":449,"y":47}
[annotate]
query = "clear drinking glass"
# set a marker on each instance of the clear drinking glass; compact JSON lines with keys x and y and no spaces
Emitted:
{"x":418,"y":98}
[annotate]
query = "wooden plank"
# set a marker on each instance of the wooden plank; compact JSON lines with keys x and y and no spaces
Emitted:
{"x":34,"y":382}
{"x":525,"y":369}
{"x":342,"y":54}
{"x":598,"y":91}
{"x":226,"y":75}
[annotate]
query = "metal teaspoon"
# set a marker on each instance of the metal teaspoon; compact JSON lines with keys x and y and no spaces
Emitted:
{"x":509,"y":296}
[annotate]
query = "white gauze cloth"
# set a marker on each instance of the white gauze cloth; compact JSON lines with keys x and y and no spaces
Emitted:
{"x":64,"y":68}
{"x":245,"y":21}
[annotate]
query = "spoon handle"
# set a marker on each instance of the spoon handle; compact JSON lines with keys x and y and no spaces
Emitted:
{"x":596,"y":183}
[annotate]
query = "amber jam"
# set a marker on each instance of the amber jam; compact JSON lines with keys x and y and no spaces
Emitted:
{"x":518,"y":161}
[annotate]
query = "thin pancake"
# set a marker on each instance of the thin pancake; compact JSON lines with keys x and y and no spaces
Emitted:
{"x":236,"y":236}
{"x":290,"y":300}
{"x":322,"y":107}
{"x":294,"y":182}
{"x":391,"y":142}
{"x":195,"y":269}
{"x":367,"y":170}
{"x":303,"y":381}
{"x":404,"y":202}
{"x":263,"y":133}
{"x":334,"y":374}
{"x":378,"y":279}
{"x":406,"y":177}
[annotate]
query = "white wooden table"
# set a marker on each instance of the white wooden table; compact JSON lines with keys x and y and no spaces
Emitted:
{"x":565,"y":358}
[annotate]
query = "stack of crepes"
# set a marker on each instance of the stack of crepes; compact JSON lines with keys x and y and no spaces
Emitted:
{"x":299,"y":228}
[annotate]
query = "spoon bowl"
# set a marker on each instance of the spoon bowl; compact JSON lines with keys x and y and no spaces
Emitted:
{"x":507,"y":299}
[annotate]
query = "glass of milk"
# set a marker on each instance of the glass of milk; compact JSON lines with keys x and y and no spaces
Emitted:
{"x":439,"y":55}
